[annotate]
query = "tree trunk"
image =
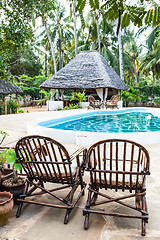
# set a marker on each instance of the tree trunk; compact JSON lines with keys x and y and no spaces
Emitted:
{"x":45,"y":64}
{"x":120,"y":55}
{"x":154,"y":81}
{"x":60,"y":53}
{"x":75,"y":29}
{"x":133,"y":76}
{"x":99,"y":41}
{"x":52,"y":48}
{"x":62,"y":58}
{"x":135,"y":72}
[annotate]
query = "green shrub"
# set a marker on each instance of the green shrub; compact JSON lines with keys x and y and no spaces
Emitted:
{"x":20,"y":111}
{"x":157,"y":101}
{"x":80,"y":97}
{"x":12,"y":106}
{"x":72,"y":106}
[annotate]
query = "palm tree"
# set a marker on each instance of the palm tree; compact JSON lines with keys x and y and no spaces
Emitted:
{"x":51,"y":45}
{"x":133,"y":52}
{"x":150,"y":62}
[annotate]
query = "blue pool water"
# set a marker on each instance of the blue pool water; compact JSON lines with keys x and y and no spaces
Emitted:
{"x":111,"y":122}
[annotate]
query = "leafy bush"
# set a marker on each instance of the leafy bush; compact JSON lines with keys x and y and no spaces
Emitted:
{"x":20,"y":111}
{"x":12,"y":106}
{"x":80,"y":97}
{"x":132,"y":96}
{"x":157,"y":101}
{"x":72,"y":106}
{"x":3,"y":135}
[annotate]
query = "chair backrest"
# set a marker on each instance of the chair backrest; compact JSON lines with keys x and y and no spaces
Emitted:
{"x":114,"y":99}
{"x":43,"y":158}
{"x":91,"y":99}
{"x":118,"y":164}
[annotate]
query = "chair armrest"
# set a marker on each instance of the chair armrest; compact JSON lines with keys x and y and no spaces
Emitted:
{"x":77,"y":153}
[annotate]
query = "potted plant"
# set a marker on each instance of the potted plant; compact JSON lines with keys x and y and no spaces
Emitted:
{"x":4,"y":172}
{"x":49,"y":98}
{"x":14,"y":184}
{"x":81,"y":98}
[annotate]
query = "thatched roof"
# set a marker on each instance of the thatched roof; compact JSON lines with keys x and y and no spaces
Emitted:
{"x":88,"y":70}
{"x":8,"y":88}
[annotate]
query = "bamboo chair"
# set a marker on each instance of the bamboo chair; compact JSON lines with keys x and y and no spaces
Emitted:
{"x":112,"y":103}
{"x":93,"y":103}
{"x":46,"y":160}
{"x":120,"y":165}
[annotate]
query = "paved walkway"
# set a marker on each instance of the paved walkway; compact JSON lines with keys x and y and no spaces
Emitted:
{"x":42,"y":223}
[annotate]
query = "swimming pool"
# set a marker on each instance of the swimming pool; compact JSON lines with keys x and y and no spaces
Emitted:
{"x":113,"y":123}
{"x":137,"y":124}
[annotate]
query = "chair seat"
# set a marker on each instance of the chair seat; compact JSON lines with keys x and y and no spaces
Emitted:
{"x":113,"y":185}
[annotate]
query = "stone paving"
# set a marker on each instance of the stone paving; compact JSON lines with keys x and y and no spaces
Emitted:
{"x":37,"y":222}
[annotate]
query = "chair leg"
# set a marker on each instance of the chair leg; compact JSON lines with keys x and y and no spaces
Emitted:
{"x":67,"y":216}
{"x":94,"y":198}
{"x":144,"y":221}
{"x":138,"y":200}
{"x":19,"y":210}
{"x":21,"y":204}
{"x":86,"y":221}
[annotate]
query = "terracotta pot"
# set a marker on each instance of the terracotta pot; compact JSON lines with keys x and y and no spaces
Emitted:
{"x":6,"y":205}
{"x":16,"y":189}
{"x":5,"y":174}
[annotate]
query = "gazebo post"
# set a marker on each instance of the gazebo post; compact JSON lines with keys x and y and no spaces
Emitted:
{"x":5,"y":105}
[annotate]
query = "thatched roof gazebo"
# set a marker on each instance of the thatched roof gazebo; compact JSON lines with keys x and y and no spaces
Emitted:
{"x":8,"y":88}
{"x":88,"y":70}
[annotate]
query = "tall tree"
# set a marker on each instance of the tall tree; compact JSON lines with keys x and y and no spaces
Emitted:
{"x":150,"y":61}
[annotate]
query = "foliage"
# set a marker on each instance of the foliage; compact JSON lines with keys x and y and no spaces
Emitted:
{"x":149,"y":91}
{"x":146,"y":95}
{"x":18,"y":48}
{"x":48,"y":95}
{"x":23,"y":81}
{"x":25,"y":62}
{"x":20,"y":111}
{"x":132,"y":96}
{"x":9,"y":156}
{"x":80,"y":97}
{"x":157,"y":101}
{"x":38,"y":80}
{"x":3,"y":136}
{"x":72,"y":106}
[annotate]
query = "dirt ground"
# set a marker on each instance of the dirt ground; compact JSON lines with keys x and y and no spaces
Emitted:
{"x":34,"y":109}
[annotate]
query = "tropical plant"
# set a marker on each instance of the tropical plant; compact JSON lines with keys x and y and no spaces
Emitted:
{"x":12,"y":106}
{"x":150,"y":61}
{"x":48,"y":95}
{"x":3,"y":135}
{"x":80,"y":97}
{"x":157,"y":101}
{"x":9,"y":156}
{"x":72,"y":106}
{"x":132,"y":96}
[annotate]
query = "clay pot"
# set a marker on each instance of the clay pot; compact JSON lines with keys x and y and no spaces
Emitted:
{"x":6,"y":205}
{"x":6,"y":173}
{"x":16,"y":189}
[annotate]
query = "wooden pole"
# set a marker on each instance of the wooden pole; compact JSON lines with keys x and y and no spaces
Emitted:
{"x":5,"y":105}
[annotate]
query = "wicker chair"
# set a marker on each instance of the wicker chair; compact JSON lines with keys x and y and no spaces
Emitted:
{"x":93,"y":103}
{"x":112,"y":103}
{"x":46,"y":160}
{"x":120,"y":165}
